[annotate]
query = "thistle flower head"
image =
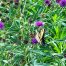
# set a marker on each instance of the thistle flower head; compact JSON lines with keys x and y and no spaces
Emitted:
{"x":1,"y":25}
{"x":34,"y":41}
{"x":47,"y":2}
{"x":39,"y":23}
{"x":62,"y":3}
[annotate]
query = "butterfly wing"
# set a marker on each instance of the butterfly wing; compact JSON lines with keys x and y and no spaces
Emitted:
{"x":42,"y":32}
{"x":40,"y":37}
{"x":37,"y":37}
{"x":43,"y":39}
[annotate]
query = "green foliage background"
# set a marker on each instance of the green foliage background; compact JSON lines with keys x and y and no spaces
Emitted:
{"x":14,"y":51}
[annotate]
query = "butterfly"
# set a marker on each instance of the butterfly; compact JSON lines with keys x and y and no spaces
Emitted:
{"x":40,"y":36}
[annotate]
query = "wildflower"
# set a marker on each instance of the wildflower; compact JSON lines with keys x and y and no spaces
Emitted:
{"x":47,"y":2}
{"x":34,"y":41}
{"x":62,"y":3}
{"x":58,"y":1}
{"x":39,"y":23}
{"x":1,"y":25}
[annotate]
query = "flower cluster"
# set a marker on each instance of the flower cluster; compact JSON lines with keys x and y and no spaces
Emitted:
{"x":37,"y":24}
{"x":62,"y":3}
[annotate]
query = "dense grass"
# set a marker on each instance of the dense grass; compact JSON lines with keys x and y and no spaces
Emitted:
{"x":16,"y":48}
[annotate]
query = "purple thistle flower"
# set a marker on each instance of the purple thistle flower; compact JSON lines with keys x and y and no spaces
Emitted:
{"x":34,"y":41}
{"x":1,"y":25}
{"x":58,"y":1}
{"x":62,"y":3}
{"x":47,"y":2}
{"x":39,"y":23}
